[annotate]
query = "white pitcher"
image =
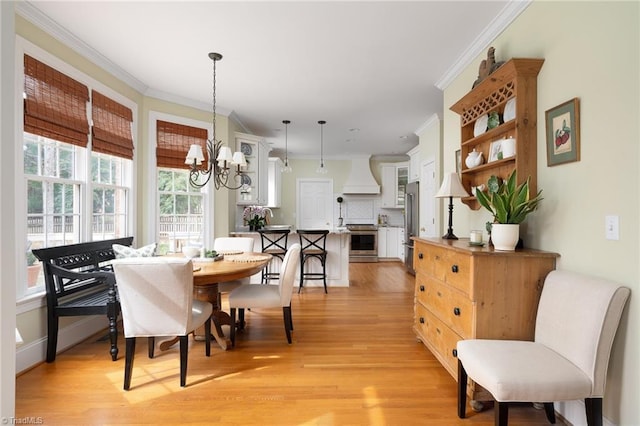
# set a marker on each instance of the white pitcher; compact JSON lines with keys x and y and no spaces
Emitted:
{"x":474,"y":159}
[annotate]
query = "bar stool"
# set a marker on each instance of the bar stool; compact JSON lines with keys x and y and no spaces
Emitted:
{"x":274,"y":242}
{"x":313,"y":243}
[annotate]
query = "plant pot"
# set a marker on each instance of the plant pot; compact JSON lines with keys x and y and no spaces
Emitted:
{"x":505,"y":236}
{"x":32,"y":274}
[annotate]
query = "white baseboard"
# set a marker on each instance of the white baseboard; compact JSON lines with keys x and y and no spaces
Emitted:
{"x":34,"y":353}
{"x":574,"y":413}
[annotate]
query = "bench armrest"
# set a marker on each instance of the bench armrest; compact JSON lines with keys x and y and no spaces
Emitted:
{"x":105,"y":276}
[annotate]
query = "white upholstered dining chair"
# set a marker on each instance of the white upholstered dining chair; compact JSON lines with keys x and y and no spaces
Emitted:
{"x":576,"y":323}
{"x":268,"y":295}
{"x":156,"y":297}
{"x":232,"y":244}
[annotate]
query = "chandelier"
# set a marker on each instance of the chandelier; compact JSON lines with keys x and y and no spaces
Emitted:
{"x":321,"y":168}
{"x":221,"y":162}
{"x":286,"y":168}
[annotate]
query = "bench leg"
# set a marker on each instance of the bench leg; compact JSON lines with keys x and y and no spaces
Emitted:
{"x":52,"y":336}
{"x":113,"y":310}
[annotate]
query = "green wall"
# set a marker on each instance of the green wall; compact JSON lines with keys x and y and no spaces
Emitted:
{"x":591,"y":51}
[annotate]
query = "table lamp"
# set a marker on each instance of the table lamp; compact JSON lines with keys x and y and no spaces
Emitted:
{"x":451,"y":187}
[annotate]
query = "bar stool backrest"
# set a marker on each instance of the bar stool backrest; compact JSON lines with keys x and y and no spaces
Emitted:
{"x":313,"y":240}
{"x":274,"y":240}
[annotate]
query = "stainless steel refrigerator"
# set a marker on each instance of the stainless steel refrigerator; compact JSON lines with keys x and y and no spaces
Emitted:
{"x":411,"y":223}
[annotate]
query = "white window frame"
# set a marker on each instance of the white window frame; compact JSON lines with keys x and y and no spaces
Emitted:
{"x":29,"y":299}
{"x":152,"y":196}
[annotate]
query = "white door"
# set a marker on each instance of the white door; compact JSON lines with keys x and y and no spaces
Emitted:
{"x":427,"y":199}
{"x":314,"y":203}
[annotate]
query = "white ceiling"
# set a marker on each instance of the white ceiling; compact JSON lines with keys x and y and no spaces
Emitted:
{"x":372,"y":66}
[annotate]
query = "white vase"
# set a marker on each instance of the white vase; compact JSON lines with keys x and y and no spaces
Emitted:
{"x":474,"y":159}
{"x":504,"y":236}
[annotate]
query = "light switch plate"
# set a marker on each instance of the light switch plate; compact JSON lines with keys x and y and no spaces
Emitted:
{"x":612,"y":227}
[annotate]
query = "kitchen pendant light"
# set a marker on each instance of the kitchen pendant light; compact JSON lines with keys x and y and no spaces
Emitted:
{"x":221,"y":162}
{"x":321,"y":168}
{"x":286,"y":168}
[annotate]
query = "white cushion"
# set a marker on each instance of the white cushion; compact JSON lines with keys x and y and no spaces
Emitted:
{"x":123,"y":252}
{"x":522,"y":371}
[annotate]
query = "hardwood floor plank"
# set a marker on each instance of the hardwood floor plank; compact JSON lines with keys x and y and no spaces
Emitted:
{"x":354,"y":361}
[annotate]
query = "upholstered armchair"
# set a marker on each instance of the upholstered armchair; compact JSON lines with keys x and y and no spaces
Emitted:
{"x":576,"y":322}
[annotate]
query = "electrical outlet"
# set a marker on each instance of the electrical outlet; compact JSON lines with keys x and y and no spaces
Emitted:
{"x":612,"y":227}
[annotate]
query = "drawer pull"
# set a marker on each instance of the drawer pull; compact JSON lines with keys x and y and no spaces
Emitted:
{"x":456,"y":311}
{"x":454,"y":269}
{"x":438,"y":330}
{"x":439,"y":294}
{"x":421,"y":288}
{"x":420,"y":255}
{"x":421,"y":320}
{"x":454,"y":353}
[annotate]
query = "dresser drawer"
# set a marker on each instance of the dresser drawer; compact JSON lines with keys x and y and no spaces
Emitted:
{"x":450,"y":306}
{"x":440,"y":338}
{"x":452,"y":268}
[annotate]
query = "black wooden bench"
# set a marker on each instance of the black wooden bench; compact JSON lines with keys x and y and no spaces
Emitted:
{"x":79,"y":281}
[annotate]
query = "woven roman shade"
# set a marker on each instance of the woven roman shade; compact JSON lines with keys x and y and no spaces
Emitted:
{"x":111,"y":127}
{"x":173,"y":142}
{"x":56,"y":105}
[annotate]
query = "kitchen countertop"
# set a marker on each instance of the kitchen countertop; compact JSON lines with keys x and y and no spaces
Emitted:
{"x":338,"y":230}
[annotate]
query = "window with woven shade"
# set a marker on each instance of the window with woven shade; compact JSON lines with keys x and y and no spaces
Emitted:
{"x":111,"y":128}
{"x":173,"y":142}
{"x":55,"y":105}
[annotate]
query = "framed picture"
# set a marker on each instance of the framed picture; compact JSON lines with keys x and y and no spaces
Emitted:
{"x":458,"y":162}
{"x":563,"y":133}
{"x":495,"y":151}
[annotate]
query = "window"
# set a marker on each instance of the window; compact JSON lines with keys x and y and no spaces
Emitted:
{"x":181,"y":212}
{"x":180,"y":205}
{"x":75,"y":191}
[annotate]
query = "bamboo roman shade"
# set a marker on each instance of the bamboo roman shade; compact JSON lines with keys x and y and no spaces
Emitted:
{"x":173,"y":142}
{"x":56,"y":105}
{"x":111,"y":127}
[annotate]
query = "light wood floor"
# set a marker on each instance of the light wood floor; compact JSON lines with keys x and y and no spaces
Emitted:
{"x":354,"y":361}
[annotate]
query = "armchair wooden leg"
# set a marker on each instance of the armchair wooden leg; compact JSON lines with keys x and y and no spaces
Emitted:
{"x":501,"y":413}
{"x":151,"y":341}
{"x":207,"y":337}
{"x":462,"y":391}
{"x":184,"y":352}
{"x":130,"y":351}
{"x":232,"y":332}
{"x":550,"y":412}
{"x":593,"y":407}
{"x":286,"y":311}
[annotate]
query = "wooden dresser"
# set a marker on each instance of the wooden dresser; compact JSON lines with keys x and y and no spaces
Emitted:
{"x":465,"y":292}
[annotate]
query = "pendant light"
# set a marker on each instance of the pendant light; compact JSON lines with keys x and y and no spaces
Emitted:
{"x":321,"y":168}
{"x":286,"y":168}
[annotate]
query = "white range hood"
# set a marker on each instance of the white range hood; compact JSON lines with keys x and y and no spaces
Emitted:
{"x":360,"y":180}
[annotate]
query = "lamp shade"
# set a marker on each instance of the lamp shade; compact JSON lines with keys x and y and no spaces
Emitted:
{"x":224,"y":154}
{"x":451,"y":187}
{"x":194,"y":154}
{"x":238,"y":159}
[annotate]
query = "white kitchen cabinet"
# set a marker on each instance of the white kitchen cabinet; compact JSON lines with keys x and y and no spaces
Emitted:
{"x":395,"y":177}
{"x":401,"y":236}
{"x":254,"y":190}
{"x":274,"y":183}
{"x":388,"y":242}
{"x":414,"y":164}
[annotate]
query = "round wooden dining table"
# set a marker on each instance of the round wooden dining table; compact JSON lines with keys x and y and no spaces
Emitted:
{"x":207,"y":275}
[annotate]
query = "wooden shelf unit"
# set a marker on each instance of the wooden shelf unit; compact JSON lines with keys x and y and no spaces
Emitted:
{"x":516,"y":78}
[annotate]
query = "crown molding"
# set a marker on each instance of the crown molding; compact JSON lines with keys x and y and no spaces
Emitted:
{"x":430,"y":121}
{"x":506,"y":16}
{"x":31,"y":13}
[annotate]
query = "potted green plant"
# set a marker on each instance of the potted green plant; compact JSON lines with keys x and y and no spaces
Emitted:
{"x":510,"y":204}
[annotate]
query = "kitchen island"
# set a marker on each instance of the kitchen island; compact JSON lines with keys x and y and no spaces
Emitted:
{"x":337,"y":257}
